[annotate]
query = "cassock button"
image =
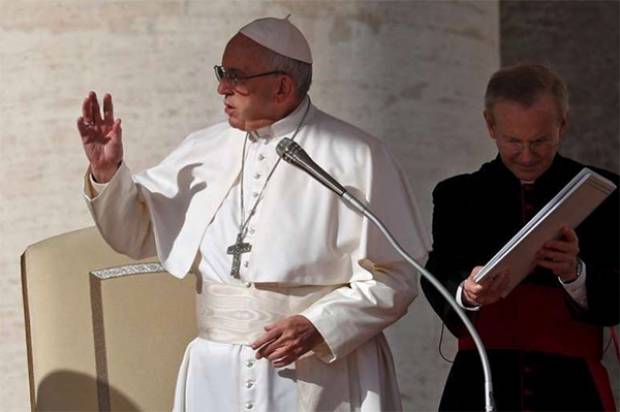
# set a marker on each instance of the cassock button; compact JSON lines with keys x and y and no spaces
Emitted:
{"x":249,"y":405}
{"x":247,"y":284}
{"x":249,"y":384}
{"x":261,"y":157}
{"x":257,"y":176}
{"x":249,"y":363}
{"x":252,"y":231}
{"x":255,"y":194}
{"x":246,"y":263}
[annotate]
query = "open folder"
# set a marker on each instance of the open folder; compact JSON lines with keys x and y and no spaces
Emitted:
{"x":584,"y":193}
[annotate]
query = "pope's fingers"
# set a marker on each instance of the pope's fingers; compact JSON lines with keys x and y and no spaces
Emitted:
{"x":94,"y":108}
{"x":87,"y":110}
{"x":108,"y":108}
{"x":282,"y":363}
{"x":268,"y":349}
{"x":287,"y":360}
{"x":267,"y":337}
{"x":270,"y":326}
{"x":278,"y":353}
{"x":82,"y":128}
{"x":116,"y":132}
{"x":292,"y":355}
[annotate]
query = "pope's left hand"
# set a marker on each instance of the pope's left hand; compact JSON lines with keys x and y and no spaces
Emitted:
{"x":287,"y":340}
{"x":560,"y":256}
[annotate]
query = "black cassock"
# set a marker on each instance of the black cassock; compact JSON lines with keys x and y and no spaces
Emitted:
{"x":543,"y":348}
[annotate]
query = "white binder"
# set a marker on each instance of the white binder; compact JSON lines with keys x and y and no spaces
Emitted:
{"x":584,"y":193}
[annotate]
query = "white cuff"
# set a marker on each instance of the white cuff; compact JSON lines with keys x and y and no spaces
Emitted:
{"x":459,"y":300}
{"x":91,"y":188}
{"x":97,"y":187}
{"x":577,"y":288}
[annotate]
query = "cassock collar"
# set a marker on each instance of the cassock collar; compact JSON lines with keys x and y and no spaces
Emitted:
{"x":548,"y":176}
{"x":283,"y":126}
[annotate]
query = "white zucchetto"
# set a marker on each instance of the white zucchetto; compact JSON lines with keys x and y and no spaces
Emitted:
{"x":280,"y":36}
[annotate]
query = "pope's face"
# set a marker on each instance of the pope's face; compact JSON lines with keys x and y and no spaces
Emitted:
{"x":249,"y":103}
{"x":527,"y":137}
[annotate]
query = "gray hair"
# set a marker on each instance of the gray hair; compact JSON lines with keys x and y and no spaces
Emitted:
{"x":301,"y":72}
{"x":524,"y":83}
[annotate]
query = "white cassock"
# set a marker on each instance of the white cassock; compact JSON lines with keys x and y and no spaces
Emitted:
{"x":311,"y":255}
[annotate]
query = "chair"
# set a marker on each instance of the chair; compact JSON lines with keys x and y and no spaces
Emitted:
{"x":103,"y":332}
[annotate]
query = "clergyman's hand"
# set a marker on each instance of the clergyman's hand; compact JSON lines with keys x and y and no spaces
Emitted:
{"x":101,"y":137}
{"x":560,"y":256}
{"x":485,"y":292}
{"x":287,"y":340}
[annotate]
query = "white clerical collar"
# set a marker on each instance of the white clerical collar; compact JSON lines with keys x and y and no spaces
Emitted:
{"x":286,"y":125}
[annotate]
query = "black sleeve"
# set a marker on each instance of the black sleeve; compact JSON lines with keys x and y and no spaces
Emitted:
{"x":450,"y":261}
{"x":599,"y":247}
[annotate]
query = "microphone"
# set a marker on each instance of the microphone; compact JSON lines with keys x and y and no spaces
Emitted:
{"x":291,"y":152}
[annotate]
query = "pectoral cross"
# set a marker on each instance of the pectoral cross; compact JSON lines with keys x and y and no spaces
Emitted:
{"x":236,"y":250}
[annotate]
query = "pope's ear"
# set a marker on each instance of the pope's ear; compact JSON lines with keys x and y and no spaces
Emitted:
{"x":285,"y":88}
{"x":490,"y":122}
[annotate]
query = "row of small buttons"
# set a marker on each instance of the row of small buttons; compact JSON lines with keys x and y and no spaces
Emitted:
{"x":249,"y":383}
{"x":251,"y":230}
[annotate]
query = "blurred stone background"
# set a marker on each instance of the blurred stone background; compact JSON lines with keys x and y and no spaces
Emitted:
{"x":410,"y":72}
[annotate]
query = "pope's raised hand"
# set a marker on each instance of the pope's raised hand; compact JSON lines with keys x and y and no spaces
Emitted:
{"x":101,"y":137}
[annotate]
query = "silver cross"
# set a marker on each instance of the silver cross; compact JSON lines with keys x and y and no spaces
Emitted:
{"x":236,"y":250}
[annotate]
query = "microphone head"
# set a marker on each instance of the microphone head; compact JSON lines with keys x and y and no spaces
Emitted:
{"x":293,"y":153}
{"x":287,"y":148}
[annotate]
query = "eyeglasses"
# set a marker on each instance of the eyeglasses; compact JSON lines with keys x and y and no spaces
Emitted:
{"x":539,"y":146}
{"x":235,"y":79}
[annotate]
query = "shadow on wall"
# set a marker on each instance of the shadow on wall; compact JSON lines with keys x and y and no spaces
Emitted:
{"x":65,"y":390}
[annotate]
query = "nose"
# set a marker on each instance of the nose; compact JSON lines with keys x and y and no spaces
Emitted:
{"x":223,"y":87}
{"x":526,"y":155}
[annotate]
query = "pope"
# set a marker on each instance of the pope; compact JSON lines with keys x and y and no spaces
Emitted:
{"x":294,"y":287}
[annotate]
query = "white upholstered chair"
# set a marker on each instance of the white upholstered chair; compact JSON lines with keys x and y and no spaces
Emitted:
{"x":103,"y":332}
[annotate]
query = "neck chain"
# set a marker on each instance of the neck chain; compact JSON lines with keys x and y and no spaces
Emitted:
{"x":239,"y":247}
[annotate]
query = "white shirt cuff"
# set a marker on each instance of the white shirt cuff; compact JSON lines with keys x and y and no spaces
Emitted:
{"x":459,"y":300}
{"x":97,"y":187}
{"x":577,"y":288}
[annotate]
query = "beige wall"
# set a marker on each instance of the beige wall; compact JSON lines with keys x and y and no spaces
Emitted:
{"x":410,"y":72}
